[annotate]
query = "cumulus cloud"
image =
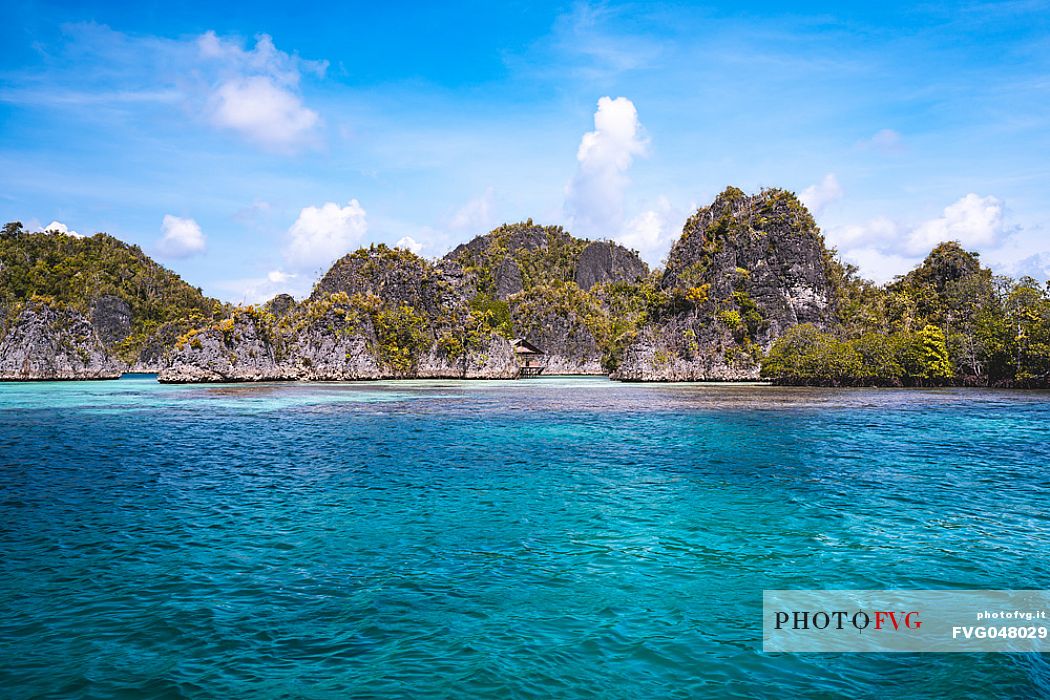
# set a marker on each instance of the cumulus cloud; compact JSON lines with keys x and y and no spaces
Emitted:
{"x":884,"y":248}
{"x":263,"y":112}
{"x":475,"y":215}
{"x":594,"y":199}
{"x":1036,"y":266}
{"x":322,"y":234}
{"x":884,"y":141}
{"x":257,"y":92}
{"x":182,"y":237}
{"x":817,"y":197}
{"x":652,"y":232}
{"x":258,"y":290}
{"x":59,"y":227}
{"x":973,"y":221}
{"x":410,"y":244}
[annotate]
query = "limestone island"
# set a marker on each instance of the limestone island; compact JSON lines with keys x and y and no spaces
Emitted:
{"x":749,"y":292}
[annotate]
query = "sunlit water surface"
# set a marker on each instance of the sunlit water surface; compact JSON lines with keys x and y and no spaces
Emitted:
{"x":546,"y":538}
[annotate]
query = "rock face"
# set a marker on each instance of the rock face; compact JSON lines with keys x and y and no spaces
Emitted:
{"x":555,"y":319}
{"x":602,"y":261}
{"x":241,"y":351}
{"x":745,"y":269}
{"x":546,"y":275}
{"x":377,"y":314}
{"x":327,"y":350}
{"x":518,"y":257}
{"x":393,"y":275}
{"x":47,"y":343}
{"x":111,"y":318}
{"x":281,"y":305}
{"x":131,"y":302}
{"x":152,"y":357}
{"x":508,"y":278}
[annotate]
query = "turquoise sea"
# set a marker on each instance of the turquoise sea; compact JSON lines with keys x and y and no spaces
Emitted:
{"x":559,"y":537}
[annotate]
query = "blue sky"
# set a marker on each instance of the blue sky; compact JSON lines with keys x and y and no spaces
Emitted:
{"x":248,"y":146}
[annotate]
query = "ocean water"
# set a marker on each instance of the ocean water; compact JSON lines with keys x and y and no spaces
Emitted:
{"x":559,"y":537}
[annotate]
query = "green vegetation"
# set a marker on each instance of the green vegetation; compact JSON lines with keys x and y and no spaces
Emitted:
{"x":401,"y":335}
{"x":807,"y":355}
{"x":543,"y":254}
{"x":611,"y":313}
{"x":74,"y":272}
{"x":486,"y":317}
{"x":489,"y":315}
{"x":949,"y":321}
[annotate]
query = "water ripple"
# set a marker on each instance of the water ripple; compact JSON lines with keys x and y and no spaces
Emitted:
{"x":550,"y":538}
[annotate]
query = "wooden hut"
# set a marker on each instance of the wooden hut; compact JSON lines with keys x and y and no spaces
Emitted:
{"x":530,"y":358}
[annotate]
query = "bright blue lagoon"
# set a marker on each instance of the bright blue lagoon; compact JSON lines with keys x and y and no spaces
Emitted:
{"x":546,"y":538}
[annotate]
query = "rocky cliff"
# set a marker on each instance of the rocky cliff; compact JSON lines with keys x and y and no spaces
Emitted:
{"x":745,"y":269}
{"x":135,"y":306}
{"x":42,"y":341}
{"x":519,"y":257}
{"x":381,"y":312}
{"x":378,"y":313}
{"x":555,"y":287}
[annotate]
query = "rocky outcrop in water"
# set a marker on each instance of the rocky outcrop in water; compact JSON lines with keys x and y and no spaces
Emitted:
{"x":378,"y":313}
{"x":42,"y":342}
{"x":745,"y":269}
{"x":381,"y":312}
{"x":552,"y":283}
{"x":135,"y":306}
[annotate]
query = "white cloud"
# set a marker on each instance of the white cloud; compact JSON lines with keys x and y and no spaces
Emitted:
{"x":263,"y":112}
{"x":410,"y":244}
{"x":884,"y":141}
{"x":652,"y":232}
{"x":256,"y":92}
{"x":182,"y":237}
{"x":258,"y":290}
{"x":884,"y":248}
{"x":264,"y":59}
{"x":974,"y":221}
{"x":879,"y":232}
{"x":322,"y":234}
{"x":1036,"y":266}
{"x":59,"y":227}
{"x":475,"y":215}
{"x":595,"y":197}
{"x":817,"y":197}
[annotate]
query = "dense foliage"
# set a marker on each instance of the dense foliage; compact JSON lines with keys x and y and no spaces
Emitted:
{"x":949,"y":321}
{"x":611,"y":312}
{"x":75,"y":272}
{"x":543,"y":254}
